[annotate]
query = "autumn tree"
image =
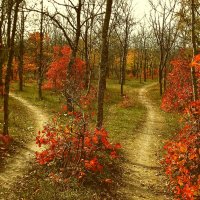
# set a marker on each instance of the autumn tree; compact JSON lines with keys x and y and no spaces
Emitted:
{"x":162,"y":18}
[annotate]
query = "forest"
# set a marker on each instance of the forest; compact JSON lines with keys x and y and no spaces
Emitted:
{"x":99,"y":99}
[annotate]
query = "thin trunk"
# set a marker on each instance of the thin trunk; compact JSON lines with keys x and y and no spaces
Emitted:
{"x":10,"y":44}
{"x":160,"y":81}
{"x":103,"y":64}
{"x":124,"y":61}
{"x":152,"y":70}
{"x":89,"y":82}
{"x":165,"y":78}
{"x":1,"y":46}
{"x":40,"y":67}
{"x":69,"y":84}
{"x":193,"y":73}
{"x":21,"y":53}
{"x":145,"y":64}
{"x":87,"y":65}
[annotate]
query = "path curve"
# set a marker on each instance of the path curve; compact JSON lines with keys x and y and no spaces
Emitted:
{"x":18,"y":164}
{"x":143,"y":176}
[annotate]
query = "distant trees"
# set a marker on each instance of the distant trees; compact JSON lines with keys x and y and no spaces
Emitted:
{"x":123,"y":23}
{"x":165,"y":29}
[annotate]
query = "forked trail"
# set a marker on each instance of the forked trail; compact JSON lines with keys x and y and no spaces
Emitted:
{"x":143,"y":178}
{"x":17,"y":165}
{"x":143,"y":175}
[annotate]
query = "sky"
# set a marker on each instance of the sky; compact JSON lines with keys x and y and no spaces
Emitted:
{"x":141,"y":7}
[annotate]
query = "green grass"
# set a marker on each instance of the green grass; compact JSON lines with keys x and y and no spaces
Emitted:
{"x":171,"y":119}
{"x":123,"y":117}
{"x":51,"y":102}
{"x":20,"y":121}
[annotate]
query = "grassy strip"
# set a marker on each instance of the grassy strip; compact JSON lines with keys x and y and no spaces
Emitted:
{"x":124,"y":115}
{"x":171,"y":119}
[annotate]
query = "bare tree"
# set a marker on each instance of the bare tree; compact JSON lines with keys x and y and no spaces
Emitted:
{"x":165,"y":29}
{"x":123,"y":22}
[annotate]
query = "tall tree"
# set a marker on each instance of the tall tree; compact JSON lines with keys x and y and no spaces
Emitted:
{"x":103,"y":64}
{"x":12,"y":6}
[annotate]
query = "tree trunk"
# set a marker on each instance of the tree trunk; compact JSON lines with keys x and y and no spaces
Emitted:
{"x":87,"y":64}
{"x":41,"y":64}
{"x":69,"y":85}
{"x":1,"y":46}
{"x":145,"y":64}
{"x":124,"y":60}
{"x":1,"y":65}
{"x":21,"y":53}
{"x":103,"y":64}
{"x":161,"y":81}
{"x":10,"y":41}
{"x":193,"y":73}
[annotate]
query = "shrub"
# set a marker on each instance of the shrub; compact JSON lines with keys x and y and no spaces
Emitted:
{"x":182,"y":160}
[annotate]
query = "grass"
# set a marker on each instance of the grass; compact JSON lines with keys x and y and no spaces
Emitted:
{"x":124,"y":115}
{"x":171,"y":119}
{"x":21,"y":128}
{"x":50,"y":103}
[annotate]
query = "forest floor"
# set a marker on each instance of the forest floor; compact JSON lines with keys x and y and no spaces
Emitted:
{"x":18,"y":164}
{"x":138,"y":124}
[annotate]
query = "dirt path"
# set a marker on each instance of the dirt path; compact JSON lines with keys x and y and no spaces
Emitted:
{"x":143,"y":176}
{"x":17,"y":165}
